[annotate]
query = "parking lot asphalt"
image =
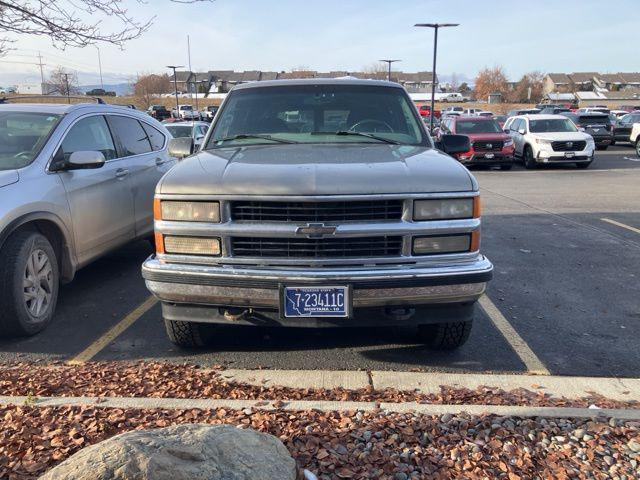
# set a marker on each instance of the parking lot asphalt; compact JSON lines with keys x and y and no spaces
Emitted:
{"x":565,"y":298}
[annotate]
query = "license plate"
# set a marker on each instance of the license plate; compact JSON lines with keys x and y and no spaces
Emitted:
{"x":569,"y":154}
{"x":316,"y":302}
{"x":489,"y":155}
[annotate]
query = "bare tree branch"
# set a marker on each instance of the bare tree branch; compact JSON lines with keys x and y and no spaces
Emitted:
{"x":72,"y":23}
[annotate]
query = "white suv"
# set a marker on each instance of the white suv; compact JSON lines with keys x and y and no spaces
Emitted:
{"x":541,"y":139}
{"x":634,"y":137}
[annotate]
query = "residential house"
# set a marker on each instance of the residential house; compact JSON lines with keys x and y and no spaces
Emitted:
{"x":582,"y":81}
{"x":556,"y":82}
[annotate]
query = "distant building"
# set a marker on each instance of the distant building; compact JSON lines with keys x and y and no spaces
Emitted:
{"x":36,"y":89}
{"x":589,"y":82}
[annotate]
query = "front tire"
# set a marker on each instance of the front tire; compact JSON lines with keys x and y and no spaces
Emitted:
{"x":188,"y":334}
{"x":602,"y":147}
{"x":29,"y":284}
{"x":445,"y":336}
{"x":529,"y":162}
{"x":638,"y":148}
{"x":505,"y":167}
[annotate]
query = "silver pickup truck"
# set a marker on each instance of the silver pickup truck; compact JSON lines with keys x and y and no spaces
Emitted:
{"x":318,"y":203}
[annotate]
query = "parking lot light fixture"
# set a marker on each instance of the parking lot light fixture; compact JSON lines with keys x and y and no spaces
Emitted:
{"x":175,"y":84}
{"x":389,"y":62}
{"x":436,"y":27}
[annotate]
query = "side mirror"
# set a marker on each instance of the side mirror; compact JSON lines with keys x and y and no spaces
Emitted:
{"x":522,"y":131}
{"x":181,"y":147}
{"x":452,"y":144}
{"x":84,"y":159}
{"x":506,"y":130}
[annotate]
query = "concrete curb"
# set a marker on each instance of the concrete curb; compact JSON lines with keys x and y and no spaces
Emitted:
{"x":326,"y":406}
{"x":622,"y":389}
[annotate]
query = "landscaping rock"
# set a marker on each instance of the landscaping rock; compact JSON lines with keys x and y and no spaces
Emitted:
{"x":181,"y":452}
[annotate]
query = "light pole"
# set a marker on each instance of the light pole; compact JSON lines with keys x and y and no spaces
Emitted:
{"x":175,"y":86}
{"x":100,"y":68}
{"x":436,"y":27}
{"x":390,"y":62}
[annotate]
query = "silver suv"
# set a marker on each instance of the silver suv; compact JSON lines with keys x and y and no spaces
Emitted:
{"x":76,"y":181}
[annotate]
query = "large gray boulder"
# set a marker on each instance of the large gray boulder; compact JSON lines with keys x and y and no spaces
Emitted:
{"x":181,"y":452}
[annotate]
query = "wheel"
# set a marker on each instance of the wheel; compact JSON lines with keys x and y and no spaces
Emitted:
{"x":601,"y":147}
{"x":583,"y":165}
{"x":445,"y":336}
{"x":638,"y":148}
{"x":30,"y":281}
{"x":613,"y":142}
{"x":529,"y":161}
{"x":188,"y":334}
{"x":505,"y":167}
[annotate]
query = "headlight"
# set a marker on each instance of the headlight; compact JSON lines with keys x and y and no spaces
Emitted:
{"x":192,"y":245}
{"x":446,"y":208}
{"x":442,"y":244}
{"x":543,"y":141}
{"x":508,"y":143}
{"x":190,"y":211}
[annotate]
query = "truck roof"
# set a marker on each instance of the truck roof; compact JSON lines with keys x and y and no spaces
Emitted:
{"x":317,"y":81}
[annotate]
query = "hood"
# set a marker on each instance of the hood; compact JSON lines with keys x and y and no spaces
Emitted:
{"x":488,"y":136}
{"x":562,"y":136}
{"x":312,"y":169}
{"x":7,"y":177}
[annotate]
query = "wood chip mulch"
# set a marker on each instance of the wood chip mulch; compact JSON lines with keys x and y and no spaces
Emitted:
{"x":351,"y":445}
{"x":167,"y":380}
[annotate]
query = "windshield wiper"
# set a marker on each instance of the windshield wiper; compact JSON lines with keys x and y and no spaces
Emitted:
{"x":242,"y":136}
{"x":359,"y":134}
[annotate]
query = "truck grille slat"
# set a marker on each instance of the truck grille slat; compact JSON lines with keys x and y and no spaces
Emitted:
{"x":316,"y":248}
{"x":304,"y":212}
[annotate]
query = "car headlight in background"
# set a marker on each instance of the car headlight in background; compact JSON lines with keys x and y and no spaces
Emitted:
{"x":192,"y":245}
{"x":543,"y":141}
{"x":446,"y":208}
{"x":189,"y":211}
{"x":442,"y":244}
{"x":508,"y":143}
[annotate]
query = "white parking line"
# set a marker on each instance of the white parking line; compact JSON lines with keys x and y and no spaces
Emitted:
{"x":532,"y":362}
{"x":621,"y":225}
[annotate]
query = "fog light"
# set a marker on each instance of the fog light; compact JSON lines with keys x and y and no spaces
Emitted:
{"x":192,"y":245}
{"x":442,"y":244}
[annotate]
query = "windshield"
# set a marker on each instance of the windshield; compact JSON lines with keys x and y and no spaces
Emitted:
{"x":22,"y":135}
{"x":179,"y":131}
{"x":480,"y":126}
{"x":552,"y":125}
{"x":315,"y":114}
{"x":186,"y":107}
{"x":594,"y":120}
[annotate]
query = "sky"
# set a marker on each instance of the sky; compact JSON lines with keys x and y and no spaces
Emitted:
{"x":544,"y":35}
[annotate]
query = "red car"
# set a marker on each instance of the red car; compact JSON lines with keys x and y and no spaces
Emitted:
{"x":425,"y":111}
{"x":489,"y":144}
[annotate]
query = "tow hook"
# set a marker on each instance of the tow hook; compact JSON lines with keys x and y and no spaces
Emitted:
{"x":399,"y":313}
{"x":236,"y":314}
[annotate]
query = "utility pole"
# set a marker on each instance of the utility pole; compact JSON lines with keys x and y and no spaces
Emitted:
{"x":100,"y":68}
{"x":175,"y":85}
{"x":195,"y":81}
{"x":435,"y":27}
{"x":390,"y":62}
{"x":41,"y":72}
{"x":66,"y":82}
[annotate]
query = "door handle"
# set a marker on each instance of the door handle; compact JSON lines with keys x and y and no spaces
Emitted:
{"x":160,"y":161}
{"x":122,"y":172}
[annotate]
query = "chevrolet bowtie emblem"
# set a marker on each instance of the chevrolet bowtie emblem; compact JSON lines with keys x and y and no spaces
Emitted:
{"x":569,"y":144}
{"x":316,"y":230}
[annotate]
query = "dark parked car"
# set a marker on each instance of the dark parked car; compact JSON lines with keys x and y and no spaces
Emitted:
{"x":489,"y":144}
{"x":595,"y":124}
{"x":99,"y":92}
{"x":622,"y":129}
{"x":523,"y":111}
{"x":501,"y":119}
{"x":159,"y":112}
{"x":555,"y":110}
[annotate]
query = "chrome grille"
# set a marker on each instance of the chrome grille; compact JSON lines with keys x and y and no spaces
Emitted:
{"x":316,"y":248}
{"x":569,"y":146}
{"x":305,"y":212}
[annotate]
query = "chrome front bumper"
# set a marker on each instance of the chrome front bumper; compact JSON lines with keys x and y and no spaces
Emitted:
{"x":249,"y":287}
